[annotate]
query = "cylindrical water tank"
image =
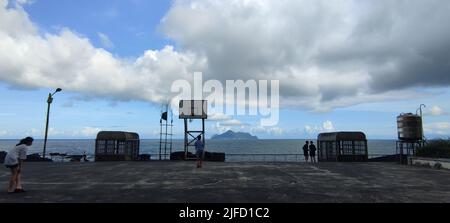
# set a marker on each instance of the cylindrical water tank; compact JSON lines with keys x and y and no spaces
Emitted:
{"x":409,"y":127}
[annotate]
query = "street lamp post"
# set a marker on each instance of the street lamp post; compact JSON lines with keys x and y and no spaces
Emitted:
{"x":49,"y":102}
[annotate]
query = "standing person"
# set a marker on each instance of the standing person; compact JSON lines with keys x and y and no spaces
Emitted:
{"x":14,"y":160}
{"x":306,"y":151}
{"x":199,"y":149}
{"x":312,"y":152}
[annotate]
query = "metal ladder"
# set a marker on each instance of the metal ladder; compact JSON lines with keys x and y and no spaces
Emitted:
{"x":166,"y":134}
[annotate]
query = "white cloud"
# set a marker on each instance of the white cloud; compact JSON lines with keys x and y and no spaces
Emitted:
{"x":88,"y":132}
{"x":105,"y":41}
{"x":218,"y":117}
{"x":435,"y":111}
{"x":155,"y":133}
{"x":328,"y":126}
{"x":220,"y":128}
{"x":3,"y":133}
{"x":275,"y":131}
{"x":233,"y":122}
{"x":69,"y":61}
{"x":326,"y":54}
{"x":309,"y":130}
{"x":439,"y":128}
{"x":258,"y":129}
{"x":14,"y":22}
{"x":32,"y":132}
{"x":229,"y":124}
{"x":24,"y":2}
{"x":54,"y":132}
{"x":35,"y":132}
{"x":440,"y":125}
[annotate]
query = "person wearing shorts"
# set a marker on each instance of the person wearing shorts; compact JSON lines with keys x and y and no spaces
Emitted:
{"x":13,"y":161}
{"x":199,"y":150}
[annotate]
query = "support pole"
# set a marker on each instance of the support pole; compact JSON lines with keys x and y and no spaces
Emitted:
{"x":185,"y":138}
{"x":49,"y":102}
{"x":203,"y":132}
{"x":171,"y":136}
{"x":166,"y":123}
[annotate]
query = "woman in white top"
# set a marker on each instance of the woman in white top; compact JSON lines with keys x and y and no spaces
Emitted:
{"x":13,"y":161}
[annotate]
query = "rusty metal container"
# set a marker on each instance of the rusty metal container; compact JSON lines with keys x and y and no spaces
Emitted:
{"x":409,"y":127}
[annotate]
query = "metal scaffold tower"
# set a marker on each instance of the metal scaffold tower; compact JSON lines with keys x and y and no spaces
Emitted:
{"x":166,"y":133}
{"x":193,"y":110}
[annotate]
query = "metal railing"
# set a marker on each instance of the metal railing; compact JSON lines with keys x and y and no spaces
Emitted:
{"x":265,"y":157}
{"x":371,"y":156}
{"x":252,"y":157}
{"x":262,"y":157}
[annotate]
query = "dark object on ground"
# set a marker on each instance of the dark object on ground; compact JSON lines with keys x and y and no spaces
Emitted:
{"x":37,"y":158}
{"x":61,"y":156}
{"x":435,"y":149}
{"x":390,"y":158}
{"x":117,"y":146}
{"x":437,"y":166}
{"x":214,"y":157}
{"x":342,"y":147}
{"x":75,"y":158}
{"x":2,"y":156}
{"x":208,"y":156}
{"x":180,"y":156}
{"x":145,"y":157}
{"x":19,"y":191}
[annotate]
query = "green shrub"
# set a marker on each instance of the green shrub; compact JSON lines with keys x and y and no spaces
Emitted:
{"x":435,"y":149}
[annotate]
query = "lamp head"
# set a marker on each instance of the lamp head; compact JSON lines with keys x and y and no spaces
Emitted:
{"x":56,"y":91}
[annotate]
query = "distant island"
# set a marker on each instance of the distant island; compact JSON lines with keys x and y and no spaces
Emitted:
{"x":230,"y":135}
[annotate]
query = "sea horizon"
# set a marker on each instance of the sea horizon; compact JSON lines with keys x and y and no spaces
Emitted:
{"x":374,"y":139}
{"x":152,"y":146}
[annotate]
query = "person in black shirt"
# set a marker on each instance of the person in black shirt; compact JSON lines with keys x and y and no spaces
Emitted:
{"x":306,"y":151}
{"x":312,"y":152}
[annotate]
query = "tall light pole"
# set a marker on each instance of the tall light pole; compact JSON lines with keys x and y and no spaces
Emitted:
{"x":49,"y":102}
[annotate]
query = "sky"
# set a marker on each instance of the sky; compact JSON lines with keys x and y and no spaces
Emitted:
{"x":342,"y":65}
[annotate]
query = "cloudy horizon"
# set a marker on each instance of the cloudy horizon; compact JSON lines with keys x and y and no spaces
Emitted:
{"x":343,"y":65}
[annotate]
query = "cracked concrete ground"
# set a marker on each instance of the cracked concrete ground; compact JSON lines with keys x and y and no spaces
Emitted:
{"x":228,"y":182}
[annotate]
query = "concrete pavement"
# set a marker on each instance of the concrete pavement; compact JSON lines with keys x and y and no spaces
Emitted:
{"x":228,"y":182}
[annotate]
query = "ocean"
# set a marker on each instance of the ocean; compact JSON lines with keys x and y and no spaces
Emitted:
{"x":149,"y":146}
